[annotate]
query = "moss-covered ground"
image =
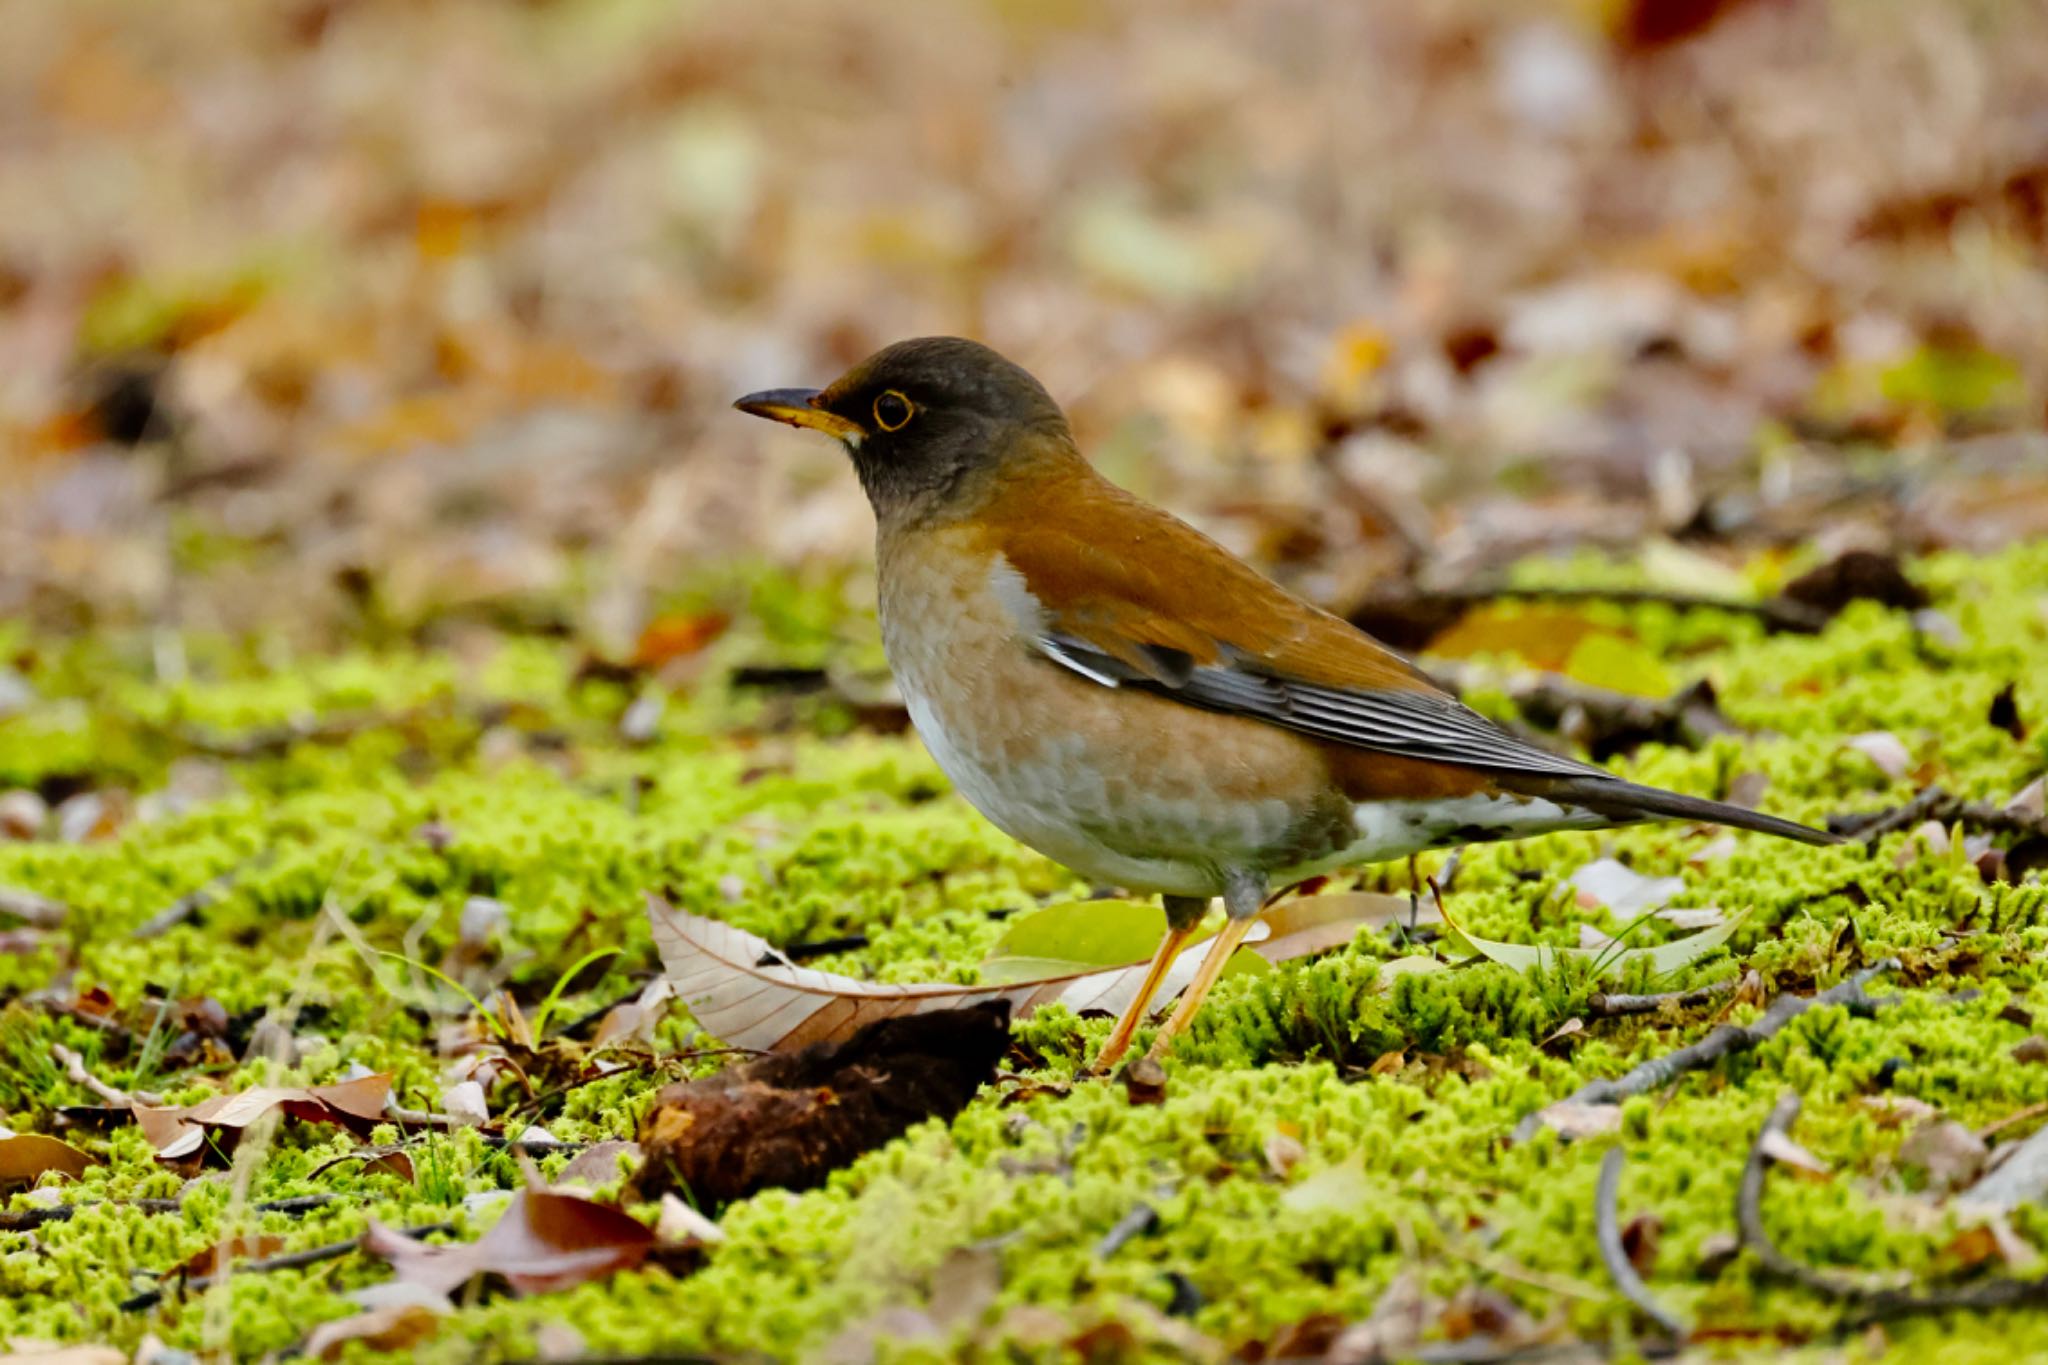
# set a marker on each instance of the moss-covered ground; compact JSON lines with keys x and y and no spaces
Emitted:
{"x":422,"y":777}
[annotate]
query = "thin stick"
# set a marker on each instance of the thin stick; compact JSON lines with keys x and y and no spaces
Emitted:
{"x":2016,"y":1117}
{"x":1607,"y":1230}
{"x":1607,"y":1006}
{"x":26,"y":1220}
{"x":1878,"y":1299}
{"x":1727,"y":1039}
{"x":149,"y":1298}
{"x":193,"y":901}
{"x":75,"y":1072}
{"x":1936,"y":804}
{"x":38,"y":912}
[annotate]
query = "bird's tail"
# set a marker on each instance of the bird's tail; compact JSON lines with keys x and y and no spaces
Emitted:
{"x":1626,"y":801}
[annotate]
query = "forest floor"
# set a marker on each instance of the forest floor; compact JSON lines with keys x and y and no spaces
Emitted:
{"x":295,"y":834}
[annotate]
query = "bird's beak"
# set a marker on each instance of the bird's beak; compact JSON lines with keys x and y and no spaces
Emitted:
{"x":798,"y":408}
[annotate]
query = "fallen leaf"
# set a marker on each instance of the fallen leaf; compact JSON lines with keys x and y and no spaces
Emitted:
{"x":1786,"y":1152}
{"x":1949,"y":1153}
{"x":598,"y":1164}
{"x":23,"y":814}
{"x":714,"y":967}
{"x":679,"y":1223}
{"x":1702,"y":917}
{"x":392,"y":1160}
{"x":465,"y":1103}
{"x":1283,"y":1152}
{"x":178,"y":1133}
{"x":395,"y":1328}
{"x":790,"y":1120}
{"x":2031,"y":1050}
{"x":2031,"y":801}
{"x":1746,"y":789}
{"x":1618,"y":887}
{"x":1575,"y":1121}
{"x":27,"y":1157}
{"x":32,"y":909}
{"x":544,"y":1241}
{"x":1883,"y":749}
{"x":1570,"y":1028}
{"x":1894,"y":1111}
{"x":1303,"y":925}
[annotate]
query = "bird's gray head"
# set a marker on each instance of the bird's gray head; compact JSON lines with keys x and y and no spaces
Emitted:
{"x":923,"y":417}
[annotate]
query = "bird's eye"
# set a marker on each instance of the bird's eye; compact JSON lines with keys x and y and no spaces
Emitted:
{"x":892,"y":410}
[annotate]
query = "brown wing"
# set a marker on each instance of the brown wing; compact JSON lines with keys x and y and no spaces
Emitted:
{"x":1130,"y":596}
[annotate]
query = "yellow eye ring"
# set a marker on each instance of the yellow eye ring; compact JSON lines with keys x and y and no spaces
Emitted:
{"x":893,"y":405}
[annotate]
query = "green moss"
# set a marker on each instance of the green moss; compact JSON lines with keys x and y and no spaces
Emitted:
{"x":780,"y":819}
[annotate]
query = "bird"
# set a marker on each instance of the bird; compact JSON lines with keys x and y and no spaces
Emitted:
{"x":1116,"y":690}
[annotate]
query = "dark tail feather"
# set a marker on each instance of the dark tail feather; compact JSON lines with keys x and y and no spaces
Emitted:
{"x":1623,"y":801}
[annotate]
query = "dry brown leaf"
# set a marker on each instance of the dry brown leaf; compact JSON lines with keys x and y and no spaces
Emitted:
{"x":392,"y":1328}
{"x":598,"y":1164}
{"x":544,"y":1241}
{"x":27,"y":1157}
{"x":1951,"y":1154}
{"x":1786,"y":1152}
{"x":713,"y":967}
{"x":392,"y":1160}
{"x":1883,"y":749}
{"x":1574,"y":1121}
{"x":1316,"y":924}
{"x":178,"y":1133}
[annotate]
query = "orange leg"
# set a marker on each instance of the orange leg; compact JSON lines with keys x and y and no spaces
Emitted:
{"x":1212,"y":967}
{"x":1134,"y":1013}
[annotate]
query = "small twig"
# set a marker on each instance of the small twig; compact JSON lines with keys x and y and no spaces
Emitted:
{"x":294,"y":1260}
{"x":1729,"y":1038}
{"x":75,"y":1072}
{"x":2015,"y":1118}
{"x":1607,"y":1006}
{"x":1136,"y":1223}
{"x":1878,"y":1300}
{"x":1607,"y":1230}
{"x":24,"y":1220}
{"x":192,"y":902}
{"x":1937,"y":805}
{"x":38,"y":912}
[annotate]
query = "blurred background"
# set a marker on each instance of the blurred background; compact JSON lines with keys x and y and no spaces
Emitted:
{"x":314,"y":306}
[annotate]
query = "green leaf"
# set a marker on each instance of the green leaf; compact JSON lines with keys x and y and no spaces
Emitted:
{"x":1664,"y":959}
{"x":1403,"y":966}
{"x":1091,"y":933}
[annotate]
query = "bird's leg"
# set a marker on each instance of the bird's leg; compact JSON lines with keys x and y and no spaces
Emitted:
{"x":1244,"y":895}
{"x":1414,"y":893}
{"x":1183,"y":913}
